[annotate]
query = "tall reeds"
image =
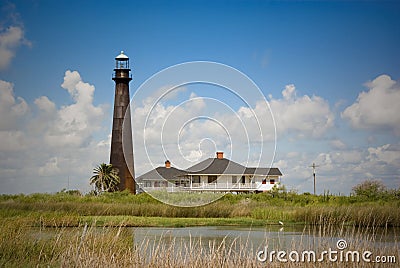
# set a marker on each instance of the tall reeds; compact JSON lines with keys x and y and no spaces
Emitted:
{"x":90,"y":246}
{"x":309,"y":209}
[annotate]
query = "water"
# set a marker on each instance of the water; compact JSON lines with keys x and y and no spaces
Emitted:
{"x":275,"y":237}
{"x":252,"y":239}
{"x":243,"y":243}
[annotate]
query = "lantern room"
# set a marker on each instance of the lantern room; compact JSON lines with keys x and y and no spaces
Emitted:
{"x":122,"y":61}
{"x":122,"y":70}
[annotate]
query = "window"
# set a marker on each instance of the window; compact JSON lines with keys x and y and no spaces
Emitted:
{"x":196,"y":179}
{"x":212,"y":179}
{"x":271,"y":181}
{"x":234,"y":179}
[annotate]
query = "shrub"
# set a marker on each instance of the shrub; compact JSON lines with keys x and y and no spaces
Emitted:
{"x":371,"y":189}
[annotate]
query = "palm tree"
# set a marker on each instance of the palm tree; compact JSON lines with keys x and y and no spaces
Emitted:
{"x":105,"y":178}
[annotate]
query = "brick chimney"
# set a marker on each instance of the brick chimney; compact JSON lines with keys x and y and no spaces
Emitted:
{"x":220,"y":155}
{"x":167,"y":164}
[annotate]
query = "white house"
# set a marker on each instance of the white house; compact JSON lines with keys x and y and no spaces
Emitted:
{"x":211,"y":175}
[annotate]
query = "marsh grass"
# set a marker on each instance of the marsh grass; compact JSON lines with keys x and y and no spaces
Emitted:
{"x":90,"y":246}
{"x":64,"y":209}
{"x":24,"y":219}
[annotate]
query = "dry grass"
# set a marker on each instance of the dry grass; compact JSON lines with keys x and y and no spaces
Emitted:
{"x":295,"y":208}
{"x":87,"y":245}
{"x":90,"y":246}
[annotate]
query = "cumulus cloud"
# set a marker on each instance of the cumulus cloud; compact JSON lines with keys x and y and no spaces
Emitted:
{"x":387,"y":154}
{"x":192,"y":130}
{"x":75,"y":123}
{"x":299,"y":118}
{"x":46,"y":147}
{"x":12,"y":35}
{"x":59,"y":145}
{"x":195,"y":128}
{"x":46,"y":105}
{"x":303,"y":116}
{"x":377,"y":108}
{"x":340,"y":169}
{"x":11,"y":108}
{"x":12,"y":141}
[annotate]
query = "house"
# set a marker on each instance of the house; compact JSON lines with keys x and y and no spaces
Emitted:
{"x":211,"y":175}
{"x":165,"y":176}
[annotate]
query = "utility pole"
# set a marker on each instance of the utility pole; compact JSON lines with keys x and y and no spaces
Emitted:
{"x":313,"y":167}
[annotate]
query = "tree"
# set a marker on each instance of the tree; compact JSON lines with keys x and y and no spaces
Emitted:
{"x":105,"y":178}
{"x":370,"y":189}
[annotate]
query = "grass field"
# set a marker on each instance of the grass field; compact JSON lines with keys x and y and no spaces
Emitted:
{"x":86,"y":246}
{"x":91,"y":246}
{"x":68,"y":209}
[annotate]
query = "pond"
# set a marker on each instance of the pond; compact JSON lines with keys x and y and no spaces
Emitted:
{"x":275,"y":237}
{"x":241,"y":243}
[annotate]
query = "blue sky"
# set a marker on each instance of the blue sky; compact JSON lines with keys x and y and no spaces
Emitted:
{"x":321,"y":54}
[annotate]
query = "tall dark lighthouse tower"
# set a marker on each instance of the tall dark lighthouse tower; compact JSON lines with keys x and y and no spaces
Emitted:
{"x":121,"y":156}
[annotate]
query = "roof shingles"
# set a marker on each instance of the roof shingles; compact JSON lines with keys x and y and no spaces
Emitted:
{"x":210,"y":166}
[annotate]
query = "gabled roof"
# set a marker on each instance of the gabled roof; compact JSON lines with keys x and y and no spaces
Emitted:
{"x":210,"y":166}
{"x":263,"y":171}
{"x":162,"y":173}
{"x":215,"y":166}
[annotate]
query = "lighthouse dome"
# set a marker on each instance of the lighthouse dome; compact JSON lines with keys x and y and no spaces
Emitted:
{"x":122,"y":56}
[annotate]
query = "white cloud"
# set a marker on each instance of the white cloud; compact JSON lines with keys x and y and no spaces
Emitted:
{"x":75,"y":123}
{"x":50,"y":168}
{"x":341,"y":165}
{"x":341,"y":169}
{"x":46,"y":105}
{"x":377,"y":108}
{"x":198,"y":126}
{"x":56,"y":145}
{"x":303,"y":116}
{"x":12,"y":140}
{"x":289,"y":93}
{"x":10,"y":108}
{"x":245,"y":134}
{"x":347,"y":157}
{"x":10,"y":39}
{"x":338,"y":144}
{"x":387,"y":154}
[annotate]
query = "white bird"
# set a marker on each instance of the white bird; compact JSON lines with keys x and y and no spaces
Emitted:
{"x":281,"y":223}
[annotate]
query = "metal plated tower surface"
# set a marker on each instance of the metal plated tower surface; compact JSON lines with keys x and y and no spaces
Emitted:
{"x":121,"y":156}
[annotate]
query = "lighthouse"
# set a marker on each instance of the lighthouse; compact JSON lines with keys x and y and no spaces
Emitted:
{"x":121,"y":156}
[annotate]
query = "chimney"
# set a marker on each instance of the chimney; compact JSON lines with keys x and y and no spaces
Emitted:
{"x":220,"y":155}
{"x":167,"y":164}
